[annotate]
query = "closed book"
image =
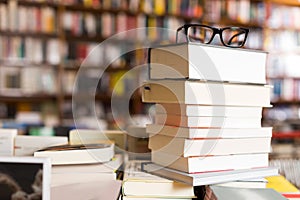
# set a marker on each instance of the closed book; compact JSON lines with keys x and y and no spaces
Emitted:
{"x":210,"y":163}
{"x":107,"y":167}
{"x":139,"y":184}
{"x":7,"y":137}
{"x":206,"y":110}
{"x":219,"y":122}
{"x":26,"y":145}
{"x":207,"y":62}
{"x":214,"y":192}
{"x":78,"y":154}
{"x":205,"y":178}
{"x":207,"y":93}
{"x":208,"y":147}
{"x":187,"y":132}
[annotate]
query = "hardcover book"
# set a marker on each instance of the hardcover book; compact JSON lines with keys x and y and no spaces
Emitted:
{"x":206,"y":178}
{"x":207,"y":93}
{"x":207,"y":62}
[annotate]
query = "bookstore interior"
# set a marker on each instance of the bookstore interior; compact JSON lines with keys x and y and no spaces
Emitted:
{"x":149,"y":99}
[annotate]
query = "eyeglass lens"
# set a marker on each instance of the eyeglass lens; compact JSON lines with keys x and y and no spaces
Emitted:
{"x":233,"y":37}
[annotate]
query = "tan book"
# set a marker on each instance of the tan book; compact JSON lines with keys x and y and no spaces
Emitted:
{"x":207,"y":110}
{"x":206,"y":93}
{"x":204,"y":122}
{"x":187,"y":132}
{"x":210,"y":163}
{"x":139,"y":184}
{"x":209,"y":147}
{"x":207,"y":62}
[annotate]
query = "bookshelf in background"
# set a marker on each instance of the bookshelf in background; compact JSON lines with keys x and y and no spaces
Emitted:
{"x":43,"y":44}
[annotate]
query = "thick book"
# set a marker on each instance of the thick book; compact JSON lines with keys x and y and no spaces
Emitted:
{"x":107,"y":167}
{"x":207,"y":111}
{"x":207,"y":178}
{"x":210,"y":163}
{"x":207,"y":62}
{"x":139,"y":184}
{"x":209,"y":147}
{"x":7,"y":137}
{"x":206,"y":93}
{"x":78,"y":154}
{"x":204,"y":122}
{"x":187,"y":132}
{"x":26,"y":145}
{"x":214,"y":192}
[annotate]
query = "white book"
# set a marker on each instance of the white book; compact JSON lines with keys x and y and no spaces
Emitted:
{"x":7,"y":137}
{"x":209,"y":147}
{"x":26,"y":145}
{"x":207,"y":110}
{"x":216,"y":122}
{"x":139,"y":184}
{"x":107,"y":167}
{"x":78,"y":154}
{"x":206,"y":93}
{"x":208,"y":178}
{"x":210,"y":163}
{"x":186,"y":132}
{"x":207,"y":62}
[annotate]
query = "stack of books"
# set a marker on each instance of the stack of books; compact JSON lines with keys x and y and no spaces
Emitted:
{"x":209,"y":102}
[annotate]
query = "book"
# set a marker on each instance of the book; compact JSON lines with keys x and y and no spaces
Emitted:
{"x":214,"y":192}
{"x":81,"y":177}
{"x":204,"y":122}
{"x":107,"y":167}
{"x":247,"y":183}
{"x":207,"y":93}
{"x":89,"y":136}
{"x":207,"y":62}
{"x":188,"y":132}
{"x":7,"y":137}
{"x":210,"y":163}
{"x":209,"y":147}
{"x":101,"y":189}
{"x":206,"y":178}
{"x":206,"y":110}
{"x":139,"y":184}
{"x":77,"y":154}
{"x":26,"y":145}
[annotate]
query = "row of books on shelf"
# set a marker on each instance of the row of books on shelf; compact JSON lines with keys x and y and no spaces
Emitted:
{"x":29,"y":80}
{"x":28,"y":50}
{"x":107,"y":24}
{"x":177,"y":7}
{"x":283,"y":65}
{"x":283,"y":16}
{"x":243,"y":11}
{"x":14,"y":17}
{"x":31,"y":50}
{"x":286,"y":89}
{"x":281,"y":40}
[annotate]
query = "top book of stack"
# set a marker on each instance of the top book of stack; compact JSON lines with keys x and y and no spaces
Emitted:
{"x":207,"y":62}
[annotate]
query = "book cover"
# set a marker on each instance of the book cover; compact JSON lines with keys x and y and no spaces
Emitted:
{"x":206,"y":178}
{"x":78,"y":154}
{"x":207,"y":93}
{"x":209,"y":147}
{"x":207,"y":62}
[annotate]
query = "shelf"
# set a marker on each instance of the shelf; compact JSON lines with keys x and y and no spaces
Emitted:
{"x":286,"y":135}
{"x":286,"y":2}
{"x":29,"y":34}
{"x":37,"y":3}
{"x":28,"y":98}
{"x":25,"y":64}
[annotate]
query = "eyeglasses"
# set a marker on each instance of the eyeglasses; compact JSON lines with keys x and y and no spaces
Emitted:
{"x":234,"y":37}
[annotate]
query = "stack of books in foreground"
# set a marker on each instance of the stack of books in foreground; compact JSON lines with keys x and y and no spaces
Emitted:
{"x":209,"y":102}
